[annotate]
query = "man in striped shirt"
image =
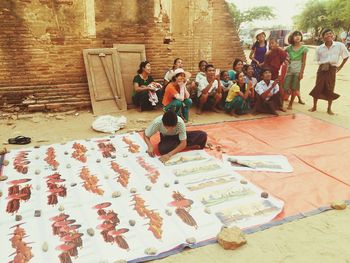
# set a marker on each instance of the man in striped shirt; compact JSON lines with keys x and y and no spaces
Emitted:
{"x":173,"y":136}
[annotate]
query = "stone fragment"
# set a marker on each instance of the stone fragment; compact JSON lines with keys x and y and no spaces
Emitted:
{"x":37,"y":213}
{"x":176,"y":182}
{"x":150,"y":251}
{"x":68,"y":166}
{"x":132,"y":222}
{"x":45,"y":246}
{"x":73,"y":184}
{"x":166,"y":185}
{"x":264,"y":195}
{"x":3,"y":178}
{"x":113,"y":157}
{"x":116,"y":194}
{"x":191,"y":240}
{"x":18,"y":218}
{"x":148,"y":188}
{"x":338,"y":205}
{"x":61,"y":208}
{"x":133,"y":190}
{"x":65,"y":153}
{"x":37,"y":172}
{"x":98,"y":160}
{"x":243,"y":181}
{"x":168,"y":212}
{"x":90,"y":231}
{"x":231,"y":238}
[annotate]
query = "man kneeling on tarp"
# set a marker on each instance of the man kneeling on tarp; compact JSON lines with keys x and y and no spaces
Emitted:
{"x":173,"y":136}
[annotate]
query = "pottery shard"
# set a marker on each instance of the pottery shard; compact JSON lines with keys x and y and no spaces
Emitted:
{"x":231,"y":238}
{"x":338,"y":205}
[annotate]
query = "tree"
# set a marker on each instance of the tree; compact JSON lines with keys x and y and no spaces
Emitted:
{"x":338,"y":14}
{"x":255,"y":13}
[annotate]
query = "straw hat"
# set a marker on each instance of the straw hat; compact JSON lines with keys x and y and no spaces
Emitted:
{"x":259,"y":31}
{"x":181,"y":70}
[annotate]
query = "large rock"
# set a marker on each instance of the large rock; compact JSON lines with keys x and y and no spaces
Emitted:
{"x":231,"y":238}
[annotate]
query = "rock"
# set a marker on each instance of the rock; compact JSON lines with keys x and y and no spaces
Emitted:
{"x":148,"y":188}
{"x":98,"y":160}
{"x":176,"y":182}
{"x":91,"y":232}
{"x":3,"y":178}
{"x":132,"y":222}
{"x":231,"y":238}
{"x":65,"y":153}
{"x":73,"y":184}
{"x":116,"y":194}
{"x":168,"y":212}
{"x":68,"y":166}
{"x":61,"y":208}
{"x":133,"y":190}
{"x":338,"y":205}
{"x":243,"y":181}
{"x":45,"y":246}
{"x":5,"y":162}
{"x":191,"y":240}
{"x":37,"y":172}
{"x":113,"y":157}
{"x":264,"y":195}
{"x":207,"y":210}
{"x":18,"y":218}
{"x":37,"y":213}
{"x":151,"y":251}
{"x":166,"y":185}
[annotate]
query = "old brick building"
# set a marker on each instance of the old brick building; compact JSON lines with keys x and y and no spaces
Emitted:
{"x":41,"y":42}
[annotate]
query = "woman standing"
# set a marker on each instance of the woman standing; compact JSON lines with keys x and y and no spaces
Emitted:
{"x":238,"y":97}
{"x":297,"y":56}
{"x":143,"y":89}
{"x":176,"y":96}
{"x":257,"y":54}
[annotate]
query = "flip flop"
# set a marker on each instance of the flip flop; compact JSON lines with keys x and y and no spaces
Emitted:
{"x":20,"y":140}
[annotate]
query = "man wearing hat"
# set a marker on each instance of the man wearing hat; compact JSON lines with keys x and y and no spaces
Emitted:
{"x":327,"y":56}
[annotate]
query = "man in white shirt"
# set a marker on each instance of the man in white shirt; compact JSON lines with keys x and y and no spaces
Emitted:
{"x":268,"y":99}
{"x":327,"y":56}
{"x":209,"y":91}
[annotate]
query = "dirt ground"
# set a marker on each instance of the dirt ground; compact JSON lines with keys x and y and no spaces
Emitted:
{"x":321,"y":238}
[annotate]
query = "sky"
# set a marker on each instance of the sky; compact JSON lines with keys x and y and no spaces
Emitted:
{"x":283,"y":9}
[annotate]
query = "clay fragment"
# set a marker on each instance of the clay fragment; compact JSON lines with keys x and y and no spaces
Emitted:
{"x":338,"y":205}
{"x":231,"y":238}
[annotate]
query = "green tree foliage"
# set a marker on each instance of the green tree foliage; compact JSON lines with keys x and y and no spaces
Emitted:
{"x":319,"y":14}
{"x":255,"y":13}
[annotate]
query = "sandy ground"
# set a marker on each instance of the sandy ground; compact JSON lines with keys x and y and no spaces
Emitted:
{"x":321,"y":238}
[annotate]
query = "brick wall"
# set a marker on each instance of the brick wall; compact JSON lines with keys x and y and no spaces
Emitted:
{"x":41,"y":42}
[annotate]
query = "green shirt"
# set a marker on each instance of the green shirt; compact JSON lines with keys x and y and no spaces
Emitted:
{"x":296,"y":55}
{"x":141,"y":82}
{"x":158,"y":126}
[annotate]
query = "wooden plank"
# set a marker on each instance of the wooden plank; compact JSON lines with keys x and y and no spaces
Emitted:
{"x":105,"y":80}
{"x":130,"y":56}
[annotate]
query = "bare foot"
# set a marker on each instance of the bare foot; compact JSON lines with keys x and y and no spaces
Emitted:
{"x":312,"y":109}
{"x":275,"y":113}
{"x":289,"y":107}
{"x":283,"y":109}
{"x":301,"y":102}
{"x":214,"y":109}
{"x":330,"y":112}
{"x":199,"y":112}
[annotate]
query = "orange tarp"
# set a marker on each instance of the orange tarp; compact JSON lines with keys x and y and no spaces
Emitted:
{"x":318,"y":152}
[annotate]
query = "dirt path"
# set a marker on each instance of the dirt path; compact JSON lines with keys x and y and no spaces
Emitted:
{"x":321,"y":238}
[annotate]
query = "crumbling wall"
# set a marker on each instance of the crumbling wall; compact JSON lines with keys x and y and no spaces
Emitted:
{"x":41,"y":43}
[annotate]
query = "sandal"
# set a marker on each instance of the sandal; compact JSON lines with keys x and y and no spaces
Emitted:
{"x":20,"y":140}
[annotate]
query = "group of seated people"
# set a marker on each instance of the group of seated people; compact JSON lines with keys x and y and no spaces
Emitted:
{"x":235,"y":91}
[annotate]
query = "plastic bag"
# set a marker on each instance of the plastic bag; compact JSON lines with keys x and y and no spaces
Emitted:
{"x":108,"y":123}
